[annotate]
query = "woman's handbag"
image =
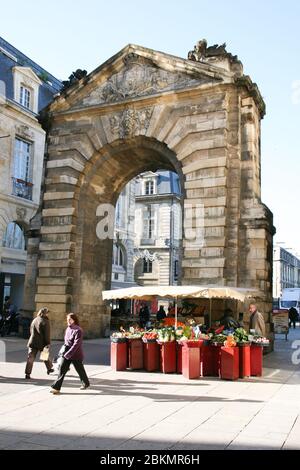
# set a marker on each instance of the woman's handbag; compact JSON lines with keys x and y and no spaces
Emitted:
{"x":45,"y":353}
{"x":60,"y":356}
{"x":63,"y":350}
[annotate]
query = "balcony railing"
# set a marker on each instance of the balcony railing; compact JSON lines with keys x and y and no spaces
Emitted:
{"x":22,"y":188}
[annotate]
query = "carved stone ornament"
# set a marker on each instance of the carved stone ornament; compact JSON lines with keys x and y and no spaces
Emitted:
{"x":21,"y":213}
{"x":140,"y":78}
{"x":130,"y":122}
{"x":24,"y":131}
{"x":201,"y":52}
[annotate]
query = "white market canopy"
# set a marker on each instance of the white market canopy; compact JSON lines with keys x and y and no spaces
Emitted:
{"x":181,"y":292}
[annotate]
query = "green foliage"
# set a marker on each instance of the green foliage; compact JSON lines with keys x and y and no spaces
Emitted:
{"x":241,"y":335}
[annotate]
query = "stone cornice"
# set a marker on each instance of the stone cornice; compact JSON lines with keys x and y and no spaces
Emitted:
{"x":19,"y":202}
{"x":253,"y":90}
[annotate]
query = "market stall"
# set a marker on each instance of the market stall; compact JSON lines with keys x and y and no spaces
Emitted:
{"x":196,"y":354}
{"x":182,"y":292}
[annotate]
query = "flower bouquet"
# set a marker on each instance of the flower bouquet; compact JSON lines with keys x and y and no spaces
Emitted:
{"x":260,"y":340}
{"x":166,"y":334}
{"x":218,"y":340}
{"x":150,"y":336}
{"x":134,"y":333}
{"x":118,"y":337}
{"x":230,"y":342}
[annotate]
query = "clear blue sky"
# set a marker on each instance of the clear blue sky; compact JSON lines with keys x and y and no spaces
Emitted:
{"x":65,"y":35}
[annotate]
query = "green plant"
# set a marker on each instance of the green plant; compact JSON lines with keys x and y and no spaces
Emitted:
{"x":44,"y":76}
{"x":241,"y":335}
{"x":166,"y":334}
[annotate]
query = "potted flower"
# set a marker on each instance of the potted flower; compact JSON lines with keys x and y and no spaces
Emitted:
{"x":118,"y":337}
{"x":166,"y":340}
{"x":150,"y":336}
{"x":166,"y":334}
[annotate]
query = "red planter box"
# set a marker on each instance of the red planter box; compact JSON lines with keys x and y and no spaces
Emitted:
{"x":256,"y":359}
{"x":244,"y":357}
{"x":230,"y":363}
{"x":168,"y":357}
{"x":135,"y":354}
{"x":118,"y":356}
{"x":216,"y":366}
{"x":207,"y":360}
{"x":151,"y":356}
{"x":191,"y":361}
{"x":179,"y":348}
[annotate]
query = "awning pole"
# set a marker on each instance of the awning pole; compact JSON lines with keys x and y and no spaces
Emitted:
{"x":210,"y":300}
{"x":176,"y":299}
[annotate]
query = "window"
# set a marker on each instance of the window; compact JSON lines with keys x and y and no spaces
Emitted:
{"x":25,"y":97}
{"x":22,"y":186}
{"x":147,"y":266}
{"x":22,"y":160}
{"x":149,"y":187}
{"x":14,"y":237}
{"x":148,"y":222}
{"x":118,"y":256}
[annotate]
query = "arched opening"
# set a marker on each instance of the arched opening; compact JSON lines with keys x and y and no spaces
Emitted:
{"x":139,"y":181}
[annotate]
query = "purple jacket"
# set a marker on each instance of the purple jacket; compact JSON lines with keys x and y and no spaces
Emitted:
{"x":73,"y":338}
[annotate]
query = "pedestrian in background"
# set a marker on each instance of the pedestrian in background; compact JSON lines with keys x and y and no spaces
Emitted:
{"x":293,"y":317}
{"x":161,"y":314}
{"x":39,"y":339}
{"x":72,"y":354}
{"x":257,"y":321}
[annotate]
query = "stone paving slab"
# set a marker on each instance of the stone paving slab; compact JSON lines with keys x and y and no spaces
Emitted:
{"x":149,"y":411}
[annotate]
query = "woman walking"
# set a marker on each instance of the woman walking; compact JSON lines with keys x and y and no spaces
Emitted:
{"x":39,"y":339}
{"x":73,"y":354}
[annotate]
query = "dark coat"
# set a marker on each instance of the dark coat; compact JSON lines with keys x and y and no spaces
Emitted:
{"x":229,"y":322}
{"x":293,"y":314}
{"x":39,"y":333}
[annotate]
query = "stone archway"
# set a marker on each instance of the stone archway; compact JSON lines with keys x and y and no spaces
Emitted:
{"x":144,"y":110}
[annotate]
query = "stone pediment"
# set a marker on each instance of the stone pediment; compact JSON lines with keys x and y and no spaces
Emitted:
{"x":134,"y":74}
{"x":139,"y":78}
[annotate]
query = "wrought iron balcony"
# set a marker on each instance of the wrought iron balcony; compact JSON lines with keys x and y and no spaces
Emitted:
{"x":22,"y":188}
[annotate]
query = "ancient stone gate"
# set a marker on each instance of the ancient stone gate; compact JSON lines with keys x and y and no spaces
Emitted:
{"x":145,"y":110}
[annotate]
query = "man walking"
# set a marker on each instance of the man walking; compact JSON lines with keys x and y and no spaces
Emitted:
{"x":257,"y":321}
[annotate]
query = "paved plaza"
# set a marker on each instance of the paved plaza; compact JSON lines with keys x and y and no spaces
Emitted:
{"x":149,"y":411}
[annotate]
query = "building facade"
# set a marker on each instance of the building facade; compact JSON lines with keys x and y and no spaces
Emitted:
{"x":158,"y":228}
{"x":286,"y":271}
{"x":25,"y":88}
{"x":124,"y":236}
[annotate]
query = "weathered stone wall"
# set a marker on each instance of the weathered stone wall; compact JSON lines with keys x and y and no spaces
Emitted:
{"x":196,"y":120}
